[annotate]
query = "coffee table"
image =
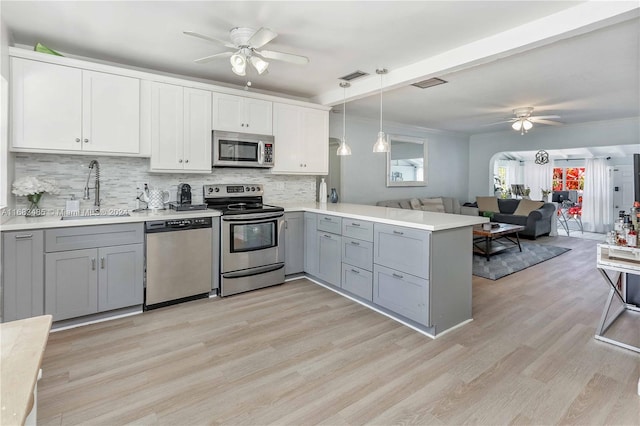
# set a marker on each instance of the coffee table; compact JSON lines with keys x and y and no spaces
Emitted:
{"x":484,"y":242}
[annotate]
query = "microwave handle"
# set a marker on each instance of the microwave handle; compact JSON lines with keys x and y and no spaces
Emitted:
{"x":260,"y":152}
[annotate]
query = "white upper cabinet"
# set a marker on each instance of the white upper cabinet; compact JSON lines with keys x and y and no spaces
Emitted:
{"x":238,"y":114}
{"x":60,"y":108}
{"x":301,"y":140}
{"x":180,"y":129}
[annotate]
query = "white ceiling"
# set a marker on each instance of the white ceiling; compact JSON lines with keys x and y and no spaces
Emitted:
{"x":582,"y":63}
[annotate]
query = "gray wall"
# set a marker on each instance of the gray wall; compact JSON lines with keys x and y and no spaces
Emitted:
{"x":363,"y":173}
{"x":483,"y":147}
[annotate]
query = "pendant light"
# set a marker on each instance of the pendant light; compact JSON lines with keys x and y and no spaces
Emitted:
{"x":344,"y":149}
{"x":382,"y":143}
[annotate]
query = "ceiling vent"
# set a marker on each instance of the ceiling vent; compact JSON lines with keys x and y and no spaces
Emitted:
{"x":429,"y":83}
{"x":354,"y":75}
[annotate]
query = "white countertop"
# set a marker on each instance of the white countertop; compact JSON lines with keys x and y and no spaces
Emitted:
{"x":16,"y":223}
{"x":430,"y":221}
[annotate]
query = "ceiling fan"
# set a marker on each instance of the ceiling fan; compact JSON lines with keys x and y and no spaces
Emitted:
{"x":523,"y":120}
{"x":245,"y":42}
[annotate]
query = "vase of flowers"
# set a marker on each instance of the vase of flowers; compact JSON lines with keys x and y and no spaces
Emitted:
{"x":545,"y":194}
{"x":33,"y":188}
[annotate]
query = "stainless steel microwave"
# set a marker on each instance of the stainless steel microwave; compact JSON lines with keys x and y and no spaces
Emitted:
{"x":232,"y":149}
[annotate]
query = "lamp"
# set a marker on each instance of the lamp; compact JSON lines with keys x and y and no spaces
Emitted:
{"x":522,"y":125}
{"x":344,"y":149}
{"x":382,"y":143}
{"x":259,"y":64}
{"x":238,"y":63}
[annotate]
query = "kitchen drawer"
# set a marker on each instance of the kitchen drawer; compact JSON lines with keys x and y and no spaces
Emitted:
{"x":402,"y":249}
{"x":357,"y":281}
{"x":401,"y":293}
{"x":357,"y":253}
{"x":331,"y":224}
{"x":83,"y":237}
{"x":359,"y":229}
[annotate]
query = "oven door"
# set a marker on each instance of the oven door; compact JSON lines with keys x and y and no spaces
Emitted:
{"x":251,"y":240}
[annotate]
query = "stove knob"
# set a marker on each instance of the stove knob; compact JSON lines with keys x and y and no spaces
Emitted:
{"x":247,"y":189}
{"x":253,"y":188}
{"x":210,"y":189}
{"x":217,"y":189}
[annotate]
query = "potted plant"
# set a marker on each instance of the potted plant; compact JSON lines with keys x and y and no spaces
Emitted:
{"x":526,"y":193}
{"x":545,"y":194}
{"x":33,"y":188}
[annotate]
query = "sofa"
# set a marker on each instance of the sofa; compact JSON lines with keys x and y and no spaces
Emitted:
{"x":535,"y":216}
{"x":432,"y":204}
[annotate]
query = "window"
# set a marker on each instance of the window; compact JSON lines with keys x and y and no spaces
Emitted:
{"x":569,"y":179}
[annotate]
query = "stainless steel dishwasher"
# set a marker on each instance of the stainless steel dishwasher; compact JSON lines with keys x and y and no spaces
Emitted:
{"x":178,"y":261}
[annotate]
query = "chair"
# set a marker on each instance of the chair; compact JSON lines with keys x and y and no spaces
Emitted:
{"x":569,"y":212}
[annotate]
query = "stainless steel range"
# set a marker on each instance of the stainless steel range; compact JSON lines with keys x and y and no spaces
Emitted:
{"x":251,"y":246}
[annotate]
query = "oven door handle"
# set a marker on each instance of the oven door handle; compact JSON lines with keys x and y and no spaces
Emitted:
{"x":254,"y":271}
{"x":251,"y":217}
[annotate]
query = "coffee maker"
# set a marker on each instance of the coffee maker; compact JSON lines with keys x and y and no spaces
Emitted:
{"x":184,"y":199}
{"x":184,"y":193}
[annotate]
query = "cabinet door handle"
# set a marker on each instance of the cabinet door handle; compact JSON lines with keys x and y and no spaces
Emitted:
{"x":247,"y":124}
{"x":180,"y":160}
{"x":77,"y":140}
{"x":398,"y":233}
{"x":86,"y":140}
{"x":355,"y":243}
{"x":355,"y":224}
{"x":102,"y":262}
{"x":186,"y":161}
{"x":286,"y":224}
{"x":397,"y":275}
{"x":24,"y":237}
{"x":327,"y":236}
{"x":93,"y":263}
{"x":355,"y":271}
{"x":242,"y":125}
{"x":327,"y":218}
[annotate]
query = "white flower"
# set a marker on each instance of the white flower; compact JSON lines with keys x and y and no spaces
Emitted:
{"x":29,"y":185}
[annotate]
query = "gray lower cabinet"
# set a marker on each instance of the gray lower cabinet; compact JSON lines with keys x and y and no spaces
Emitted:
{"x":357,"y":253}
{"x":294,"y":243}
{"x":329,"y":257}
{"x":91,"y":269}
{"x":310,"y":244}
{"x":401,"y":293}
{"x":71,"y":283}
{"x":402,"y":249}
{"x":357,"y":281}
{"x":120,"y":273}
{"x":22,"y":274}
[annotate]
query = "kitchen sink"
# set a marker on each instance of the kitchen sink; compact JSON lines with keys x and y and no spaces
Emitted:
{"x":94,"y":216}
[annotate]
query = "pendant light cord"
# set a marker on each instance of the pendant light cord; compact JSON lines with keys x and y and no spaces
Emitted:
{"x":380,"y":101}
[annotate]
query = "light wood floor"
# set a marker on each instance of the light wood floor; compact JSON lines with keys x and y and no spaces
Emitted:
{"x":300,"y":354}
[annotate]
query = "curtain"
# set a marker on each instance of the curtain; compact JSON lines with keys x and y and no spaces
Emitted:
{"x":596,"y":197}
{"x":537,"y":177}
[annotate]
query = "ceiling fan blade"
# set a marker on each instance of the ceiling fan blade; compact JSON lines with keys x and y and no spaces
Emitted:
{"x":212,"y":57}
{"x":544,"y":117}
{"x":287,"y":57}
{"x":498,"y":122}
{"x":261,"y":37}
{"x":548,"y":122}
{"x":208,"y":38}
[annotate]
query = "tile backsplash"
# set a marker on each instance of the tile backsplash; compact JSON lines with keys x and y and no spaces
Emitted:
{"x":119,"y":175}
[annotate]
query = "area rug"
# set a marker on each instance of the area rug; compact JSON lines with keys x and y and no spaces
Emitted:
{"x":512,"y":260}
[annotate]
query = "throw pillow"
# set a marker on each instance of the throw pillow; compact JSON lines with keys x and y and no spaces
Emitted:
{"x":432,"y":204}
{"x":415,"y":204}
{"x":527,"y":206}
{"x":488,"y":204}
{"x":405,"y":204}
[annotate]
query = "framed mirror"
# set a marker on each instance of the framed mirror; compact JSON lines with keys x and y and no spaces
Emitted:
{"x":406,"y":161}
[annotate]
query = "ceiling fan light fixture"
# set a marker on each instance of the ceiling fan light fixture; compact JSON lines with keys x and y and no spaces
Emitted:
{"x":259,"y":64}
{"x":238,"y":64}
{"x":382,"y":142}
{"x":344,"y":149}
{"x":527,"y":124}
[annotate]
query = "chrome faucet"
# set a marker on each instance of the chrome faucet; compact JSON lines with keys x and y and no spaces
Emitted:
{"x":96,"y":186}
